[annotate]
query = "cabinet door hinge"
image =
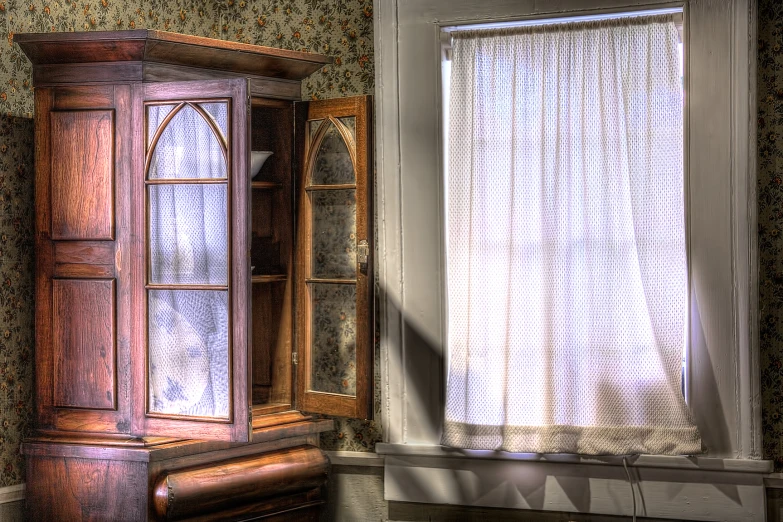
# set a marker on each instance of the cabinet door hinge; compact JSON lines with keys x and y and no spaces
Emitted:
{"x":295,"y":357}
{"x":363,"y":255}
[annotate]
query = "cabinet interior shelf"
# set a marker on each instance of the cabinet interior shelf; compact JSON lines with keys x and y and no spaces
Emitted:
{"x":265,"y":185}
{"x":268,"y":278}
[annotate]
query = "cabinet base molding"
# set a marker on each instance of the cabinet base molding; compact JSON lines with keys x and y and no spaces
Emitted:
{"x":281,"y":478}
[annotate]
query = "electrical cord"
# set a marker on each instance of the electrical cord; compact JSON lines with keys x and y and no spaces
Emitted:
{"x":630,"y":483}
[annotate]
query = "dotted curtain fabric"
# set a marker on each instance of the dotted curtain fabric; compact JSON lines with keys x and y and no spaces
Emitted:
{"x":188,"y":245}
{"x":567,"y":272}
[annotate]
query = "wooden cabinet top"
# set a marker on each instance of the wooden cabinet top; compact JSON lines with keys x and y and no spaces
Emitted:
{"x":144,"y":47}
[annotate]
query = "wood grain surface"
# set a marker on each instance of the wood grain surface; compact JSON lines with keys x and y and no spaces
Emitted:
{"x":84,"y":343}
{"x":82,"y":174}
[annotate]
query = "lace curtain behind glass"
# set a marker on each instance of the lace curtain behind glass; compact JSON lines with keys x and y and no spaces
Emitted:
{"x":188,"y":329}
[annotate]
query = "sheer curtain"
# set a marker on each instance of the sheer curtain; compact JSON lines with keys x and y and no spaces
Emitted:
{"x":188,"y":238}
{"x":567,"y":273}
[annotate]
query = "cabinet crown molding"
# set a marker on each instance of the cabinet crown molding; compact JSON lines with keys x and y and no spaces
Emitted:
{"x":148,"y":47}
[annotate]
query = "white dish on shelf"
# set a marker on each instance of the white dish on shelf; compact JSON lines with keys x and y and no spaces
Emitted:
{"x":257,"y":160}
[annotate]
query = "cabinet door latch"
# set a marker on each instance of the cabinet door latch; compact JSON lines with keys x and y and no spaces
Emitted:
{"x":295,"y":357}
{"x":363,"y":255}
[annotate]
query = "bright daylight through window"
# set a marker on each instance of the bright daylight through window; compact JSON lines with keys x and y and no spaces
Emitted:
{"x":565,"y":235}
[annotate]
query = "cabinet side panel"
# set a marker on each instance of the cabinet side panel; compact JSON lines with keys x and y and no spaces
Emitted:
{"x":44,"y":261}
{"x":82,"y":174}
{"x":85,"y":489}
{"x":84,"y":344}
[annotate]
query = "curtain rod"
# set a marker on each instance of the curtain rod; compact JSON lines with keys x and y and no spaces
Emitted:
{"x":560,"y":20}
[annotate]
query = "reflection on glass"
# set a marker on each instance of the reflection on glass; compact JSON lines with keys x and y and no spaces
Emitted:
{"x":314,"y":126}
{"x":160,"y":112}
{"x":219,"y":113}
{"x":333,"y":349}
{"x":188,"y":353}
{"x":188,"y":234}
{"x":187,"y":148}
{"x":334,"y":234}
{"x":333,"y":165}
{"x":350,"y":124}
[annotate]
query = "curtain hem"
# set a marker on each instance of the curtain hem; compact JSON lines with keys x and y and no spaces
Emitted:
{"x":583,"y":440}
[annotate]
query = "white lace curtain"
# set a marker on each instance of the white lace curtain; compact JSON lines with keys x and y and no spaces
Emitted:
{"x":188,"y":238}
{"x":567,"y":273}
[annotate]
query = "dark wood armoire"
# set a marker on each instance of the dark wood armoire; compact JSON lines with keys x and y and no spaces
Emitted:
{"x":204,"y":278}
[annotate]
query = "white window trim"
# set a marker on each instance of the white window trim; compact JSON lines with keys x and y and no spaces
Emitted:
{"x":723,"y":361}
{"x":10,"y":494}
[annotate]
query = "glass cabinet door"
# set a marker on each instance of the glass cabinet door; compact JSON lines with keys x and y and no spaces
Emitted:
{"x":334,"y":277}
{"x":194,"y":185}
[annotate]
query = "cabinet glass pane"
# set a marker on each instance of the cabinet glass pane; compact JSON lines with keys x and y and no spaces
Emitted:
{"x":188,"y":234}
{"x":188,"y":353}
{"x":188,"y":146}
{"x":219,"y":113}
{"x":350,"y":124}
{"x":333,"y":338}
{"x":333,"y":165}
{"x":314,"y":126}
{"x":334,"y":234}
{"x":160,"y":112}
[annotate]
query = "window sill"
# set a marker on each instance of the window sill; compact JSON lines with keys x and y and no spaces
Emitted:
{"x":666,"y":487}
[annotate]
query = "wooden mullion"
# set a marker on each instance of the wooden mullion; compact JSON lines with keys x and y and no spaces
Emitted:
{"x":209,"y":288}
{"x":344,"y":186}
{"x":187,"y":181}
{"x":173,"y":416}
{"x":310,"y":280}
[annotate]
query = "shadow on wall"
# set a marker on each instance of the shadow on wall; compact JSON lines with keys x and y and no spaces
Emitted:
{"x":16,"y":293}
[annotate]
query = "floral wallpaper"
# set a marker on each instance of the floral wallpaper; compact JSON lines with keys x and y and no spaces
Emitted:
{"x":340,"y":28}
{"x":334,"y":234}
{"x":334,"y":338}
{"x":770,"y":215}
{"x":16,"y":292}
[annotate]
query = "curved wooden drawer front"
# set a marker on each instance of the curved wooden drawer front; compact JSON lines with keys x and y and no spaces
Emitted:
{"x":231,"y":483}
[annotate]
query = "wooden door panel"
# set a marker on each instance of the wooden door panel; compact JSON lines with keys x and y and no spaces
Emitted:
{"x":334,"y":268}
{"x":84,"y":344}
{"x":168,"y":400}
{"x":84,"y":259}
{"x":84,"y":252}
{"x":82,"y":277}
{"x":82,"y":174}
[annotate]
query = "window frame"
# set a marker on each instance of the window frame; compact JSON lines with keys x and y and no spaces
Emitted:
{"x":723,"y":358}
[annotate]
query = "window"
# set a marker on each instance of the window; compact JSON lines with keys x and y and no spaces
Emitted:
{"x":566,"y":271}
{"x":720,"y":213}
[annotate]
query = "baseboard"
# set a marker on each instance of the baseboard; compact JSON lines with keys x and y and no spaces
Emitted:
{"x":355,"y":458}
{"x":12,"y":493}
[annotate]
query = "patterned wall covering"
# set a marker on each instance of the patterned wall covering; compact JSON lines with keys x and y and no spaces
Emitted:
{"x":770,"y":209}
{"x":16,"y":291}
{"x":341,"y":28}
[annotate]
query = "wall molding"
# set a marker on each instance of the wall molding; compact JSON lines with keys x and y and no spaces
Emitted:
{"x":12,"y":493}
{"x":355,"y":458}
{"x":676,"y":488}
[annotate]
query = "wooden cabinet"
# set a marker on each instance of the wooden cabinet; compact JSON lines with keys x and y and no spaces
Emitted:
{"x":182,"y":302}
